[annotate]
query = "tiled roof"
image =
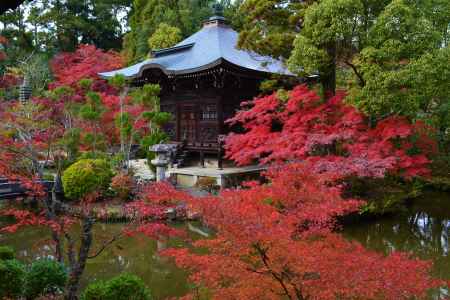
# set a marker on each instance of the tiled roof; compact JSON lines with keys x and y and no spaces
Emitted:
{"x":215,"y":43}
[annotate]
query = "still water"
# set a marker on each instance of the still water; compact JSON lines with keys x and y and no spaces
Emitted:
{"x":136,"y":255}
{"x":422,"y":228}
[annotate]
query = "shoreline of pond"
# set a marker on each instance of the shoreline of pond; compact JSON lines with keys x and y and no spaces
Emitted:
{"x":422,"y":228}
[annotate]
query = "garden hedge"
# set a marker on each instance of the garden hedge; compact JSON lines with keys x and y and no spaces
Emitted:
{"x":86,"y":176}
{"x":122,"y":287}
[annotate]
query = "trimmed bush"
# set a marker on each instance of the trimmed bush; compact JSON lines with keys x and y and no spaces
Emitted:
{"x":12,"y":276}
{"x":86,"y":176}
{"x":6,"y":253}
{"x":45,"y":277}
{"x":95,"y":291}
{"x":127,"y":286}
{"x":122,"y":287}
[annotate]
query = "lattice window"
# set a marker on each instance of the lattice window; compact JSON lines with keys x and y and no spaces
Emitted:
{"x":209,"y":112}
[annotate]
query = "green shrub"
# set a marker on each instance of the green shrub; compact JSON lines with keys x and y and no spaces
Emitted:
{"x":45,"y":277}
{"x":12,"y":274}
{"x":6,"y":253}
{"x":86,"y":176}
{"x":95,"y":291}
{"x":122,"y":287}
{"x":127,"y":286}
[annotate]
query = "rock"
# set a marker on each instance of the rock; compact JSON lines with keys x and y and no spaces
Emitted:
{"x":142,"y":171}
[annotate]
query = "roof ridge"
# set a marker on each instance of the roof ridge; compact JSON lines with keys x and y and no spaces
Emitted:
{"x":173,"y":49}
{"x":219,"y":42}
{"x":204,"y":49}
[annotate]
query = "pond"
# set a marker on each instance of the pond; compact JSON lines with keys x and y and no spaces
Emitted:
{"x":135,"y":255}
{"x":422,"y":228}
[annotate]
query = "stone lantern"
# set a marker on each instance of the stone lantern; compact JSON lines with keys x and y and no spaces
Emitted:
{"x":25,"y":91}
{"x":162,"y":160}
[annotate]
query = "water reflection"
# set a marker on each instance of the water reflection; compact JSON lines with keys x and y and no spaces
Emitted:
{"x":423,"y":229}
{"x":137,"y":255}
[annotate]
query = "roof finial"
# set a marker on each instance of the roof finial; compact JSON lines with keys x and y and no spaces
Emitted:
{"x":217,"y":9}
{"x":217,"y":18}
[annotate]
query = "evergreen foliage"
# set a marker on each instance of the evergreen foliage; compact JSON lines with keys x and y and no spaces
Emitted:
{"x":53,"y":25}
{"x":12,"y":274}
{"x":187,"y":16}
{"x":122,"y":287}
{"x":390,"y":52}
{"x":165,"y":36}
{"x":6,"y":253}
{"x":45,"y":277}
{"x":86,"y":176}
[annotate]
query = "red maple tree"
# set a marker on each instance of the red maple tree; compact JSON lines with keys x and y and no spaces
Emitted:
{"x":86,"y":62}
{"x":72,"y":246}
{"x":332,"y":135}
{"x":277,"y":241}
{"x":31,"y":136}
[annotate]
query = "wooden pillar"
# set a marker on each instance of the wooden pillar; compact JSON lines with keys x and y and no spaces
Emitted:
{"x":220,"y":142}
{"x":178,"y":137}
{"x":202,"y":158}
{"x":219,"y":158}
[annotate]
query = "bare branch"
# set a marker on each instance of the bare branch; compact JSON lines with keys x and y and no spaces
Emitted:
{"x":362,"y":82}
{"x":106,"y":244}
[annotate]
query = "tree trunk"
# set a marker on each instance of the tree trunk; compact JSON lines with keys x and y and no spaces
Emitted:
{"x":328,"y":75}
{"x":329,"y":84}
{"x":51,"y":215}
{"x":78,"y":268}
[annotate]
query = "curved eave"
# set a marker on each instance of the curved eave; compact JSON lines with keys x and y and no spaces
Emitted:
{"x":169,"y":72}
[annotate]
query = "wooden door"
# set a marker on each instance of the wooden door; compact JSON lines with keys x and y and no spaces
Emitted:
{"x":188,"y":122}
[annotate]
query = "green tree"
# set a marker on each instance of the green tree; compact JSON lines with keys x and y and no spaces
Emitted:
{"x":332,"y":34}
{"x":12,"y":275}
{"x":146,"y":15}
{"x":14,"y":28}
{"x":146,"y":97}
{"x":92,"y":112}
{"x":269,"y":27}
{"x":55,"y":25}
{"x":186,"y":15}
{"x":164,"y":36}
{"x":311,"y":35}
{"x":392,"y":54}
{"x":427,"y":79}
{"x":405,"y":66}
